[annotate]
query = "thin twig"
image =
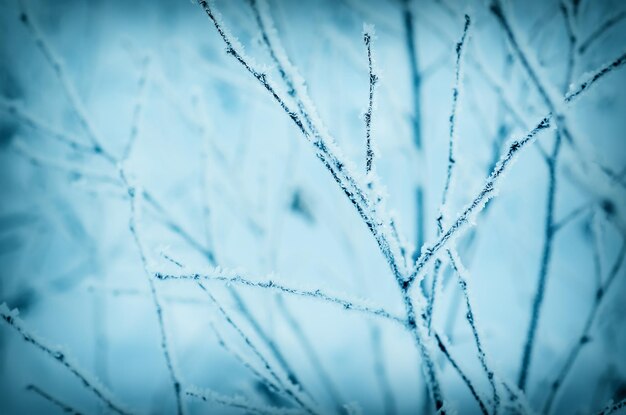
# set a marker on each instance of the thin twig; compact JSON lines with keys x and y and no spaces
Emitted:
{"x":468,"y":383}
{"x":238,"y":402}
{"x":101,"y":392}
{"x":132,"y":193}
{"x":56,"y":402}
{"x":368,"y":34}
{"x":600,"y":30}
{"x":67,"y":85}
{"x":549,"y":226}
{"x":584,"y":337}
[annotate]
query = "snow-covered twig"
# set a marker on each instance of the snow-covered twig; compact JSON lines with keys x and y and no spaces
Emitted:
{"x":461,"y":272}
{"x":238,"y":402}
{"x":368,"y":34}
{"x":458,"y":76}
{"x":270,"y":284}
{"x":10,"y":317}
{"x":487,"y":192}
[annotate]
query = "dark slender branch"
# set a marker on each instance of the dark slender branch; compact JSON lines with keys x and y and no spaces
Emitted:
{"x":549,"y":227}
{"x":459,"y":49}
{"x":468,"y":383}
{"x":546,"y":256}
{"x":132,"y":193}
{"x":601,"y":30}
{"x":101,"y":392}
{"x":460,"y":271}
{"x":56,"y":402}
{"x":560,"y":224}
{"x":584,"y":337}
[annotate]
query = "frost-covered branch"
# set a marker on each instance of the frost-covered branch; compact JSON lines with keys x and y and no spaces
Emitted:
{"x":488,"y":191}
{"x":459,"y":49}
{"x":271,"y":284}
{"x":165,"y":347}
{"x":238,"y":402}
{"x":326,"y":150}
{"x":310,"y":126}
{"x":461,"y":272}
{"x":455,"y":261}
{"x":100,"y":391}
{"x":368,"y":34}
